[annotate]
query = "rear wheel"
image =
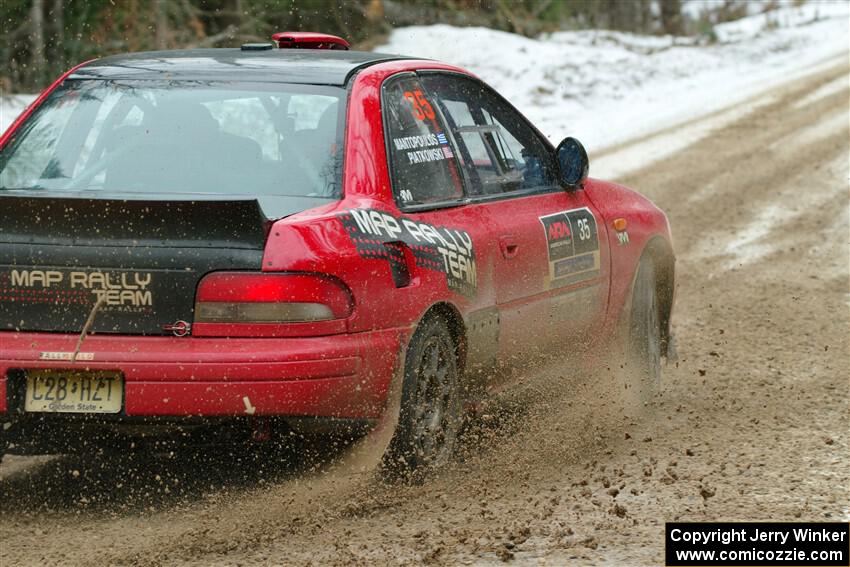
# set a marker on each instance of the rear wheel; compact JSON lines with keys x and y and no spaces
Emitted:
{"x":429,"y":415}
{"x":645,"y":329}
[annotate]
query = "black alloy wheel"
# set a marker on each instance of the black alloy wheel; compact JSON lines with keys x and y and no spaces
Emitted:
{"x":429,"y":415}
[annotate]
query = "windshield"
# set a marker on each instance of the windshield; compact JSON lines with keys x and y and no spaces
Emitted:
{"x":180,"y":137}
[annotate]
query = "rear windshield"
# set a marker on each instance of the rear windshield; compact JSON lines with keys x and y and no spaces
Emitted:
{"x":180,"y":137}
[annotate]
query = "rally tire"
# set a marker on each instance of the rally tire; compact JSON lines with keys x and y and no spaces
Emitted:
{"x":645,"y":330}
{"x":430,"y":409}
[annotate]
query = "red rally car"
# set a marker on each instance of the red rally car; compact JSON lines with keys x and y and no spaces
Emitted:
{"x":200,"y":237}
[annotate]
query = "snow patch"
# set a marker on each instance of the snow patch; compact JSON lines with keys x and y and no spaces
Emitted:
{"x":764,"y":234}
{"x":666,"y":143}
{"x":607,"y":87}
{"x":788,"y":17}
{"x":824,"y":128}
{"x":749,"y":244}
{"x":824,"y":91}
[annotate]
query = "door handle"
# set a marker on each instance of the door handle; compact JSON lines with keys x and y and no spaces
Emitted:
{"x":509,"y":246}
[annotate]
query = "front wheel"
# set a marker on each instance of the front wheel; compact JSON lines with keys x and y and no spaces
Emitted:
{"x":645,"y":328}
{"x":429,"y":416}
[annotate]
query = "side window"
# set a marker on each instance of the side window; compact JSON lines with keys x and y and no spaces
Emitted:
{"x":423,"y":163}
{"x":498,"y":148}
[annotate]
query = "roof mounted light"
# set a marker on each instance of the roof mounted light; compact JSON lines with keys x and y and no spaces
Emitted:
{"x":309,"y":40}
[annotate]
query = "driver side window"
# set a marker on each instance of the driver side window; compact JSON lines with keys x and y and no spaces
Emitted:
{"x":499,"y":150}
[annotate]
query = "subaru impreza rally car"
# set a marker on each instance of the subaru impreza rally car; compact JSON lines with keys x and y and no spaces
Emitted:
{"x":275,"y":233}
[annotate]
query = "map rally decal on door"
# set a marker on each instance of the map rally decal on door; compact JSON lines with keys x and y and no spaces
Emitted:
{"x":447,"y":250}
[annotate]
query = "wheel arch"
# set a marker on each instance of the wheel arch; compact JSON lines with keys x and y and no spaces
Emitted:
{"x":457,"y":328}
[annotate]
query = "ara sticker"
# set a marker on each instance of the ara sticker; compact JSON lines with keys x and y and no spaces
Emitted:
{"x":572,"y":244}
{"x":447,"y":250}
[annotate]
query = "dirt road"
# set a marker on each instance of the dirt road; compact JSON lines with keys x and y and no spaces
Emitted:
{"x":752,"y":422}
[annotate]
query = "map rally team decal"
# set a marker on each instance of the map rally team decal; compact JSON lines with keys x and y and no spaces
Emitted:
{"x":573,"y":246}
{"x":447,"y":250}
{"x":121,"y":291}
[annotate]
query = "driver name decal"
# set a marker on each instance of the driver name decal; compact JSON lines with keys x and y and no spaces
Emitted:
{"x":424,"y":148}
{"x":572,"y":244}
{"x":447,"y":250}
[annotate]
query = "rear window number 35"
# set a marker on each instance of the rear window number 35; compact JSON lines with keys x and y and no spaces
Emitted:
{"x":422,"y":109}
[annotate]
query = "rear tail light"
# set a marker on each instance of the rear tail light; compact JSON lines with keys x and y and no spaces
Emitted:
{"x":240,"y":297}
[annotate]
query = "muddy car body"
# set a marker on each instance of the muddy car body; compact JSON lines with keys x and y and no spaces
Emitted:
{"x":218,"y":235}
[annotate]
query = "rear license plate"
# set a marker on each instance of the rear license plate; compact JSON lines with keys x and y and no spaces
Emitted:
{"x":74,"y":391}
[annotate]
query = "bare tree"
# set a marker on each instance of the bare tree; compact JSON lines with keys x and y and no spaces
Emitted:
{"x":37,"y":36}
{"x":623,"y":15}
{"x":57,"y":41}
{"x":671,"y":16}
{"x":646,"y":19}
{"x":161,"y":24}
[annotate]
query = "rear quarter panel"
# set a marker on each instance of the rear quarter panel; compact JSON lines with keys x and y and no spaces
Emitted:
{"x":318,"y":240}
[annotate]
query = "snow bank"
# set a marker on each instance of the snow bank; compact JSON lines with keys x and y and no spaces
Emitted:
{"x":607,"y":87}
{"x":754,"y":25}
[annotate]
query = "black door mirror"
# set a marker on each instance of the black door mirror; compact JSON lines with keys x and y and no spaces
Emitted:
{"x":572,"y":163}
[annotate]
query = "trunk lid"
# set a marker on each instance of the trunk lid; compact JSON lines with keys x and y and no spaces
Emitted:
{"x":60,"y":255}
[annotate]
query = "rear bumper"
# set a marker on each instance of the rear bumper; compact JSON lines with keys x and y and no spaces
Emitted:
{"x":343,"y":376}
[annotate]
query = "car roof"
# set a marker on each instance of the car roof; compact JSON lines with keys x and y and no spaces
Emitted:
{"x":301,"y":66}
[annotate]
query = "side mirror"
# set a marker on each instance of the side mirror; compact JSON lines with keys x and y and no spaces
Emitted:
{"x":572,"y":163}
